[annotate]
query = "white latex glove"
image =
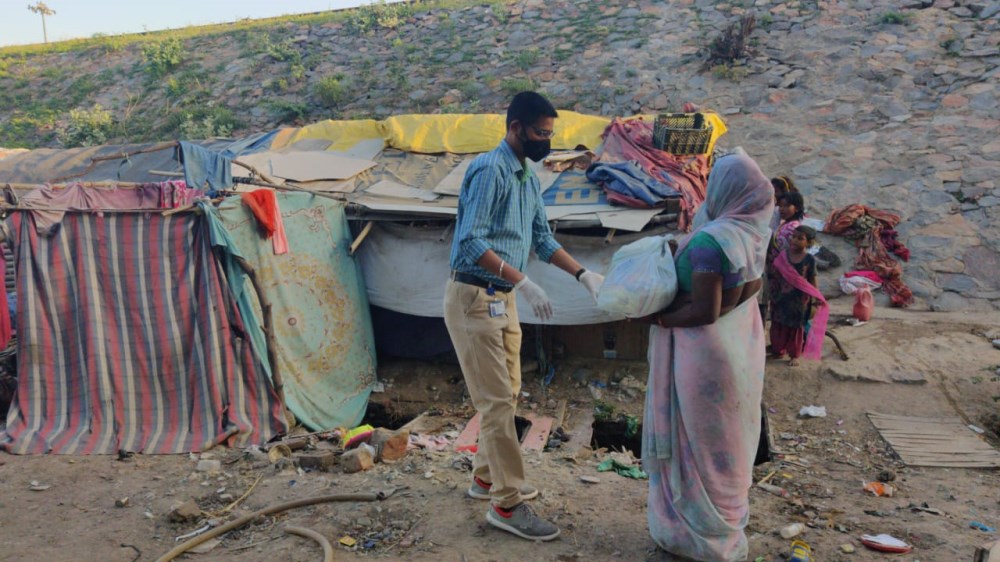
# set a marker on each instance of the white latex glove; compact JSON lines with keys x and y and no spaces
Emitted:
{"x":592,"y":281}
{"x":536,"y":297}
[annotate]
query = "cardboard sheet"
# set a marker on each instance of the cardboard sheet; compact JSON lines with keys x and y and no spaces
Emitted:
{"x":386,"y":188}
{"x":452,"y":183}
{"x":632,"y":220}
{"x":312,"y":166}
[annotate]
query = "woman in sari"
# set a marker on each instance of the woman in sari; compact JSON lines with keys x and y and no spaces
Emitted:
{"x":706,"y":373}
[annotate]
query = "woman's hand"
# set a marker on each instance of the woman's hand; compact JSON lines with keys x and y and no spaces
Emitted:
{"x":648,"y":319}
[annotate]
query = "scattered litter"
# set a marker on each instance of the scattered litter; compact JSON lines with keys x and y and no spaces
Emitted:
{"x":813,"y":411}
{"x":980,"y":527}
{"x":36,"y":486}
{"x":429,"y":474}
{"x":793,"y":530}
{"x":348,"y":541}
{"x":205,"y":547}
{"x":358,"y":459}
{"x":772,"y":410}
{"x":356,"y":436}
{"x":885,"y":543}
{"x":879,"y":489}
{"x":840,"y":422}
{"x":776,"y":490}
{"x":122,"y":502}
{"x":847,"y":548}
{"x":590,"y":479}
{"x":977,"y":429}
{"x":854,"y":322}
{"x":194,"y":533}
{"x":886,"y":476}
{"x":623,"y":464}
{"x":801,"y":552}
{"x":378,"y":387}
{"x":429,"y":442}
{"x":926,"y":509}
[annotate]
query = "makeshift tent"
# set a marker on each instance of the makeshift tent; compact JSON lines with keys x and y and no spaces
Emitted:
{"x":128,"y":338}
{"x":400,"y":177}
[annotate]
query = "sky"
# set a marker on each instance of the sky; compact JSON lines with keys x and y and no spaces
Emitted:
{"x":83,"y":18}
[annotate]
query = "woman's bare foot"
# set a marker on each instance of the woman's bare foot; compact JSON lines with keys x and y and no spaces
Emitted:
{"x":793,"y":362}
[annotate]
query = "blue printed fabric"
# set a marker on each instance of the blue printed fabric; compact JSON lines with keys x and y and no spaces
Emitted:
{"x":628,"y":179}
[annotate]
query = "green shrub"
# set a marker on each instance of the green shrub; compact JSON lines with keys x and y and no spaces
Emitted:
{"x":286,"y":111}
{"x":330,"y":92}
{"x":729,"y":72}
{"x":163,"y":56}
{"x":87,"y":127}
{"x":513,"y":86}
{"x":201,"y":121}
{"x":173,"y":88}
{"x":204,"y":128}
{"x":526,"y":59}
{"x":365,"y":19}
{"x":281,"y":51}
{"x":26,"y":130}
{"x":894,"y":18}
{"x":500,"y":11}
{"x":732,"y":44}
{"x":110,"y":43}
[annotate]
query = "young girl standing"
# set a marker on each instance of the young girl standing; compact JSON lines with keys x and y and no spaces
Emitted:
{"x":795,"y":300}
{"x":791,"y":210}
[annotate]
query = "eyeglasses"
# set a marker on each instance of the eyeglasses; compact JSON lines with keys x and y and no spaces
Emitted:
{"x":542,"y":132}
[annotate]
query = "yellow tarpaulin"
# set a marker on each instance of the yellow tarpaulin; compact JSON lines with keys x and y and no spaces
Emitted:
{"x":457,"y":134}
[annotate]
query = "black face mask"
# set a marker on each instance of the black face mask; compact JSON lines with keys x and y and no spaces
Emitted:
{"x":535,"y":149}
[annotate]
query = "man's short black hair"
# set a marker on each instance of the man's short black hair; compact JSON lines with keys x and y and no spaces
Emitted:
{"x":528,"y":107}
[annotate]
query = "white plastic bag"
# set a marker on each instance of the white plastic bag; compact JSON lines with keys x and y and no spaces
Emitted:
{"x":851,"y":285}
{"x":641,"y":280}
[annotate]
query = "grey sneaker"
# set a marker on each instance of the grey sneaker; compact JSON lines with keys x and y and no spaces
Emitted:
{"x":523,"y":522}
{"x":481,"y":490}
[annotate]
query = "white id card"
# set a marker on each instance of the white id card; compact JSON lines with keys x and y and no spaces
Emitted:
{"x":497,"y":308}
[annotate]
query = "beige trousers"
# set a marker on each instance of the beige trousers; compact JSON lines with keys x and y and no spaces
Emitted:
{"x":489,"y":352}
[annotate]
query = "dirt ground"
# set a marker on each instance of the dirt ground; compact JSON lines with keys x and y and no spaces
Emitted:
{"x":73,"y":514}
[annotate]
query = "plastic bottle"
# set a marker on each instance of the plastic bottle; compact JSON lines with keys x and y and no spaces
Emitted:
{"x":792,"y":530}
{"x":864,"y":303}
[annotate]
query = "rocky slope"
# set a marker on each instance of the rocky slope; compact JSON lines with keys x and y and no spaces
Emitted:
{"x":892,"y":104}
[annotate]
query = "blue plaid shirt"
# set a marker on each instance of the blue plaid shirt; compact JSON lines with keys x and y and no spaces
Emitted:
{"x":500,"y":208}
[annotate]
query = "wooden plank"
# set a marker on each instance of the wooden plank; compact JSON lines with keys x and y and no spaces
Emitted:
{"x":469,"y":435}
{"x":580,"y":427}
{"x":538,"y":433}
{"x":913,"y":418}
{"x":901,"y":449}
{"x":427,"y":423}
{"x":940,"y":442}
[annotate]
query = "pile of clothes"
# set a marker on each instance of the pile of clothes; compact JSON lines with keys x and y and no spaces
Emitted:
{"x":636,"y":174}
{"x":873,"y":232}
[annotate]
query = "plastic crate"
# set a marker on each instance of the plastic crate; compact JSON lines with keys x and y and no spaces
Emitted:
{"x":682,"y":133}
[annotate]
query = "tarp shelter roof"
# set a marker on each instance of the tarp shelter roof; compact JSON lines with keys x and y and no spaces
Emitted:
{"x":392,"y":167}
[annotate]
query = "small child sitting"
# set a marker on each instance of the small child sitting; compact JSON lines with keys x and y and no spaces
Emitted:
{"x":795,"y":299}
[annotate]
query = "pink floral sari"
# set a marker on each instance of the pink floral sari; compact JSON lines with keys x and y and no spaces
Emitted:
{"x":702,"y":418}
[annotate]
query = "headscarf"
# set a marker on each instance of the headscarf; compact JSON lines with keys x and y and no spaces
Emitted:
{"x":737,"y":214}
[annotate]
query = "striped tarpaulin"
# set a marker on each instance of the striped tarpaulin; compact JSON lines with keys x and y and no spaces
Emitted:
{"x":129,"y":339}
